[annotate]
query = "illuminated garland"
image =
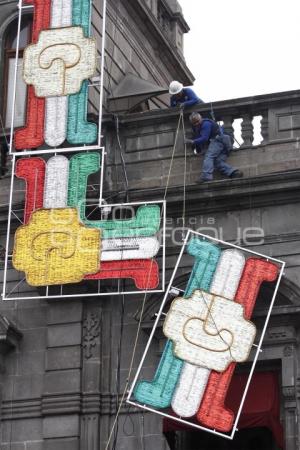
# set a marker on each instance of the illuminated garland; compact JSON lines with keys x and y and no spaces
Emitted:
{"x":79,"y":130}
{"x":159,"y":392}
{"x":32,"y":135}
{"x":145,"y":223}
{"x":212,"y":412}
{"x":32,"y":170}
{"x":193,"y":380}
{"x":225,"y":335}
{"x":55,"y":248}
{"x":144,"y":272}
{"x":61,"y":51}
{"x":56,"y":182}
{"x":209,"y":331}
{"x":63,"y":184}
{"x":57,"y":107}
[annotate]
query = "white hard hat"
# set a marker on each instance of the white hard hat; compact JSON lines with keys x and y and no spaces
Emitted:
{"x":175,"y":87}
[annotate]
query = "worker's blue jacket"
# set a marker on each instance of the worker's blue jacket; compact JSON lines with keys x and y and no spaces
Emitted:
{"x":188,"y":98}
{"x":203,"y":133}
{"x":208,"y":130}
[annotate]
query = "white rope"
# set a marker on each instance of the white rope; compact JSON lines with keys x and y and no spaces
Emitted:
{"x":184,"y":179}
{"x":144,"y":300}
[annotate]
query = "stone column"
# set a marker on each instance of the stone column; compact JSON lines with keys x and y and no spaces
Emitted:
{"x":247,"y":130}
{"x":265,"y":127}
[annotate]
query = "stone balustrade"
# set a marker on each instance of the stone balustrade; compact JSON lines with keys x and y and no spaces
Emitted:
{"x":147,"y":140}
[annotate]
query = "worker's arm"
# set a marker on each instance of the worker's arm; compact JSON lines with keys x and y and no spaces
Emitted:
{"x":192,"y":98}
{"x":204,"y":134}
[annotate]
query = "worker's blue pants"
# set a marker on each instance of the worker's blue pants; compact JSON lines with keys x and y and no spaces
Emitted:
{"x":214,"y":158}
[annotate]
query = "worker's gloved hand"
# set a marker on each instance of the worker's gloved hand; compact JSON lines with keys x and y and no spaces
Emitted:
{"x":188,"y":141}
{"x":197,"y":151}
{"x":181,"y":105}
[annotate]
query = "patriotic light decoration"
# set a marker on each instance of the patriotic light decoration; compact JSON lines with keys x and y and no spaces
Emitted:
{"x":208,"y":327}
{"x":57,"y":65}
{"x":193,"y":379}
{"x":209,"y":332}
{"x":55,"y":248}
{"x":58,"y":244}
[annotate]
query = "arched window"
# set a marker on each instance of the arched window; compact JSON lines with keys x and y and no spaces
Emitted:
{"x":10,"y":44}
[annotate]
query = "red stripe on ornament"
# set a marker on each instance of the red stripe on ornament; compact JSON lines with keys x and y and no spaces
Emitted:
{"x":32,"y":135}
{"x":212,"y":412}
{"x":144,"y":272}
{"x":32,"y":170}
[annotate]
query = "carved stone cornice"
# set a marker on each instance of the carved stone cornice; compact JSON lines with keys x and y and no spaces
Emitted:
{"x":224,"y":195}
{"x":21,"y":409}
{"x":61,"y":404}
{"x":54,"y":405}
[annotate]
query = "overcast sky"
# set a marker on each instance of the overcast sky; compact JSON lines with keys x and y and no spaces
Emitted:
{"x":238,"y":48}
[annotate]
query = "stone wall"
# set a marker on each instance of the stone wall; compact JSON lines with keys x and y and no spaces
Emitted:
{"x":65,"y":362}
{"x":62,"y":380}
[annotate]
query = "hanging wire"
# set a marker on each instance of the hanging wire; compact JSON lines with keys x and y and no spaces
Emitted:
{"x":184,"y":180}
{"x":143,"y":302}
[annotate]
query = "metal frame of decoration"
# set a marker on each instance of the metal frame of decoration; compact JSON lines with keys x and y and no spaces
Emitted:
{"x":69,"y":148}
{"x":130,"y":398}
{"x":129,"y":267}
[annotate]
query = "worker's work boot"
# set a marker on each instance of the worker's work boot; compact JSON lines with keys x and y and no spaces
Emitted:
{"x":237,"y":174}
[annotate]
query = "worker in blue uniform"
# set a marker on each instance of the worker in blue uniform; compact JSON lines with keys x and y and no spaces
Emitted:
{"x":208,"y":136}
{"x":182,"y":96}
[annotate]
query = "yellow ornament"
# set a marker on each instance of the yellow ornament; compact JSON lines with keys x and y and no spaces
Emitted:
{"x":56,"y":248}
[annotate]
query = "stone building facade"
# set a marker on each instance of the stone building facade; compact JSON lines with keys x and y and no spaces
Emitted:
{"x":64,"y":363}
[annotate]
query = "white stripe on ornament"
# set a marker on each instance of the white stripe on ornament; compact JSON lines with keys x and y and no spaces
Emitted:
{"x":193,"y":379}
{"x":129,"y":248}
{"x":56,"y":114}
{"x":56,"y":182}
{"x":61,"y":13}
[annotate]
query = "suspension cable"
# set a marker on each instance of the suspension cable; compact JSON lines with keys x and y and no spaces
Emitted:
{"x":144,"y":299}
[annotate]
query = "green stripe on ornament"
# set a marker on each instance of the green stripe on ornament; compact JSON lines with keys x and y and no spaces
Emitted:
{"x":158,"y":393}
{"x":79,"y":130}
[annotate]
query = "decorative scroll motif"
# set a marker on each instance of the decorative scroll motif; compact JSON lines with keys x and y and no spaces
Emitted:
{"x":56,"y":67}
{"x":211,"y":333}
{"x":59,"y":62}
{"x":54,"y":248}
{"x":91,"y":331}
{"x":129,"y":255}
